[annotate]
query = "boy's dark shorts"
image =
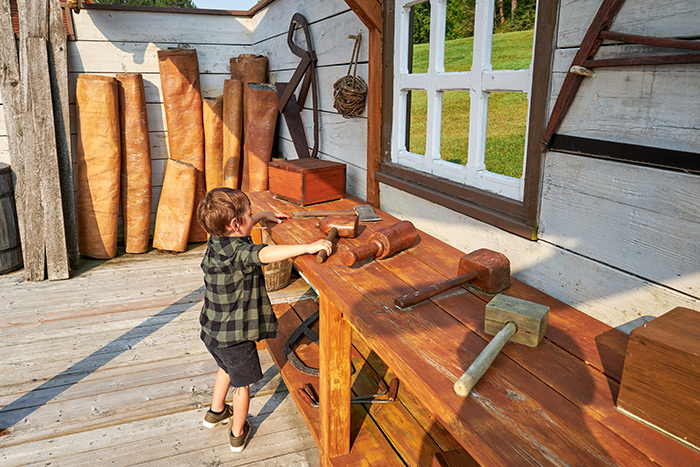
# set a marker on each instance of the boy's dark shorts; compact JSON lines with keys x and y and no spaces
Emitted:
{"x":240,"y":362}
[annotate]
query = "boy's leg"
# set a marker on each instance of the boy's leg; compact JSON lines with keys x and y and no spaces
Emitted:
{"x":218,"y":401}
{"x":241,"y":402}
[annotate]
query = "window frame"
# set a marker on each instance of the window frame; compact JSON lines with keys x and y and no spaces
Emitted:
{"x":519,"y":217}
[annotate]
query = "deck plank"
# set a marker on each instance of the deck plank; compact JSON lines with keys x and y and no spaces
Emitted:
{"x":108,"y":367}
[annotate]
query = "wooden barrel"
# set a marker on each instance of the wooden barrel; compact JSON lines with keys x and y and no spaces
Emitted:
{"x":277,"y":275}
{"x":10,"y":252}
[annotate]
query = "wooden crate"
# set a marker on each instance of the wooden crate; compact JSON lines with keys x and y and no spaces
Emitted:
{"x":307,"y":181}
{"x":660,"y":382}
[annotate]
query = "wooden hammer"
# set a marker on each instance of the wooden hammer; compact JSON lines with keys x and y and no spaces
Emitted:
{"x":487,"y":270}
{"x":336,"y":226}
{"x":510,"y":319}
{"x":383,"y":243}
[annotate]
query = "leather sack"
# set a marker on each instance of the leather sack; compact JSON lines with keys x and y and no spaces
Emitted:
{"x":98,"y":165}
{"x":175,"y":207}
{"x":135,"y":163}
{"x":233,"y":126}
{"x":249,"y":68}
{"x":260,"y":122}
{"x":213,"y":110}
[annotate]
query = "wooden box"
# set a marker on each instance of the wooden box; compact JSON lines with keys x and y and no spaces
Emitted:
{"x":307,"y":181}
{"x":660,"y":383}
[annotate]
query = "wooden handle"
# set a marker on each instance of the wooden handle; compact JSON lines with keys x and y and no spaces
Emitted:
{"x":322,"y":255}
{"x":324,"y":213}
{"x":418,"y":296}
{"x":476,"y":370}
{"x":350,"y":257}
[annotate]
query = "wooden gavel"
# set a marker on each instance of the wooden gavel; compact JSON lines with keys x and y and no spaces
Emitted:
{"x":383,"y":243}
{"x":336,"y":226}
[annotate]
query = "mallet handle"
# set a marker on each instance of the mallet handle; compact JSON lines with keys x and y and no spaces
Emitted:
{"x":351,"y":212}
{"x":418,"y":296}
{"x":350,"y":257}
{"x":476,"y":370}
{"x":322,"y":255}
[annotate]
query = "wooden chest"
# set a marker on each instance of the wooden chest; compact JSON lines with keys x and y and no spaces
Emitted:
{"x":660,"y":382}
{"x":307,"y":181}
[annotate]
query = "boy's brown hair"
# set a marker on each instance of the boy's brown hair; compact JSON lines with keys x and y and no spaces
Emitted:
{"x":219,"y":207}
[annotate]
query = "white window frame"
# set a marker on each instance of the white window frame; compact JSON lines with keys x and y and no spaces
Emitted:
{"x":480,"y":82}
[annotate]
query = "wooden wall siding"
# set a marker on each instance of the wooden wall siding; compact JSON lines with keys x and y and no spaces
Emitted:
{"x":651,"y":220}
{"x":340,"y":140}
{"x":645,"y":17}
{"x":654,"y":106}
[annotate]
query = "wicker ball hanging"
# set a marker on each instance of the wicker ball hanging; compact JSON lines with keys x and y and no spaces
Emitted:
{"x":350,"y":92}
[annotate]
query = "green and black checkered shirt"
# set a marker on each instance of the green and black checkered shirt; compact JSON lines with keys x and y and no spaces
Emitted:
{"x":236,"y":306}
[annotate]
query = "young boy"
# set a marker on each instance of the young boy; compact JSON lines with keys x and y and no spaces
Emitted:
{"x":237,"y":310}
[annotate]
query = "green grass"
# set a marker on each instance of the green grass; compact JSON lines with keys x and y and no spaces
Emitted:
{"x":505,"y":139}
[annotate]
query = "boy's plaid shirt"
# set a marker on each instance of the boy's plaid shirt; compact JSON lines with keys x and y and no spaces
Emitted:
{"x":236,"y":306}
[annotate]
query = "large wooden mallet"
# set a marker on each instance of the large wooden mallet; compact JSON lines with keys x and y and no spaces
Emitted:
{"x":487,"y":270}
{"x":383,"y":243}
{"x":510,"y":319}
{"x":336,"y":226}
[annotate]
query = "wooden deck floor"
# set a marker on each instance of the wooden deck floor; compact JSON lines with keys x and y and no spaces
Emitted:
{"x":107,"y":368}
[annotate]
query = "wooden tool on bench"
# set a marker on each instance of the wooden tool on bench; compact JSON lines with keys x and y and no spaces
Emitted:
{"x":383,"y":243}
{"x":364,"y":211}
{"x":487,"y":270}
{"x":511,"y":319}
{"x":336,"y":226}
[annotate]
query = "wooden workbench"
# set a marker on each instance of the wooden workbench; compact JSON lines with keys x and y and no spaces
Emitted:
{"x":553,"y":404}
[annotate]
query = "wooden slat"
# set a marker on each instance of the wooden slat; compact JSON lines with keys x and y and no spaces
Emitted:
{"x":374,"y":115}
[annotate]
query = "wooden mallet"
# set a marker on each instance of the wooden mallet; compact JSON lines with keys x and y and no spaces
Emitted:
{"x":487,"y":270}
{"x":510,"y":319}
{"x":336,"y":226}
{"x":383,"y":243}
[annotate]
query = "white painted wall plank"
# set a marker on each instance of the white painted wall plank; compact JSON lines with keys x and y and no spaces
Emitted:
{"x":139,"y":26}
{"x":274,"y":19}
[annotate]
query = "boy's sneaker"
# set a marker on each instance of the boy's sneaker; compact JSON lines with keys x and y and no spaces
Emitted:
{"x":212,"y":419}
{"x":238,"y":442}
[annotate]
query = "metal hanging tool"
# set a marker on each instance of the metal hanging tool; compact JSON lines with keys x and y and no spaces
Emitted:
{"x":290,"y":105}
{"x":308,"y":394}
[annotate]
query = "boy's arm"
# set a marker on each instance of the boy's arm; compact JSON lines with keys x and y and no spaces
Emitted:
{"x":275,"y":217}
{"x":274,"y":253}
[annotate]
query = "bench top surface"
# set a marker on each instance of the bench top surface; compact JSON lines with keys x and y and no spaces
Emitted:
{"x":549,"y":404}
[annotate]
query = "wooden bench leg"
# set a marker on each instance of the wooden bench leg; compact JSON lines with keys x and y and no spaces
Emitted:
{"x":334,"y":381}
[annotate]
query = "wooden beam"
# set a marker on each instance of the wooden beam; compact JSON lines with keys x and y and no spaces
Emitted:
{"x":334,"y":381}
{"x":12,"y":108}
{"x":58,"y":67}
{"x":369,"y":11}
{"x":374,"y":116}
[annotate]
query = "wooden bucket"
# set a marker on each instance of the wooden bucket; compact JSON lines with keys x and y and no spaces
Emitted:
{"x":277,"y":275}
{"x":10,"y":252}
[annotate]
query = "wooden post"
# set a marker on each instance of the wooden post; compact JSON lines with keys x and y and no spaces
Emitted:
{"x":12,"y":107}
{"x":58,"y":68}
{"x":334,"y":381}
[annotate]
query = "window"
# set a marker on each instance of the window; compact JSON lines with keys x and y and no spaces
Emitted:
{"x":459,"y":106}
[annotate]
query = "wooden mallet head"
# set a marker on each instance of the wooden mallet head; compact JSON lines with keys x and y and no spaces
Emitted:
{"x":491,"y":267}
{"x":346,"y":226}
{"x":336,"y":226}
{"x":530,"y":318}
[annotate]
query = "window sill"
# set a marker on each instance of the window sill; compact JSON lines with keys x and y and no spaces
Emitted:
{"x":495,"y":210}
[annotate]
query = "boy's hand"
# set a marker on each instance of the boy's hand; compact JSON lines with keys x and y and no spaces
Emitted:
{"x":319,"y":245}
{"x":274,"y":217}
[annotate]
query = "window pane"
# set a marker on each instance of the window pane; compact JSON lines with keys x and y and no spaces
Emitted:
{"x":454,"y":138}
{"x":459,"y":35}
{"x":419,"y":39}
{"x":513,"y":30}
{"x":505,"y":133}
{"x":417,"y":120}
